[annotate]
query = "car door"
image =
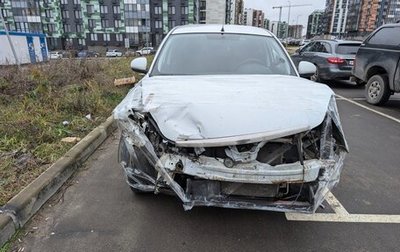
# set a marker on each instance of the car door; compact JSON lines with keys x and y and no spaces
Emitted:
{"x":303,"y":54}
{"x":385,"y":47}
{"x":321,"y":51}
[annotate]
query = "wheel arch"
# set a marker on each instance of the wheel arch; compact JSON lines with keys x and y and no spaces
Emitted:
{"x":374,"y":70}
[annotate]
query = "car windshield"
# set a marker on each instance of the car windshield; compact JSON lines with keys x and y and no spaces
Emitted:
{"x":215,"y":53}
{"x":347,"y":48}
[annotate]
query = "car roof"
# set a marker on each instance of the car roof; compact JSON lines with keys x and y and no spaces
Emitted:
{"x":338,"y":41}
{"x":390,"y":25}
{"x":212,"y":28}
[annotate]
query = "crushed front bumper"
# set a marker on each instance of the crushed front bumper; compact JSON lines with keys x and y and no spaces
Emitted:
{"x":203,"y":180}
{"x":251,"y":185}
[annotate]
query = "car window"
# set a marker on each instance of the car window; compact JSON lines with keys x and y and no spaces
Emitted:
{"x":321,"y":47}
{"x":308,"y":47}
{"x":347,"y":48}
{"x":215,"y":53}
{"x":386,"y":36}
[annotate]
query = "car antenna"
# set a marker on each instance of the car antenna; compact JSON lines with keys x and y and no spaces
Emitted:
{"x":222,"y":30}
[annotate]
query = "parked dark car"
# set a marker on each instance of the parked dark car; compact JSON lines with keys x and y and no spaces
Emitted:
{"x":333,"y":58}
{"x":88,"y":54}
{"x":378,"y":64}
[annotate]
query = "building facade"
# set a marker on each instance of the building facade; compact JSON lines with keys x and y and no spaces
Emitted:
{"x":166,"y":14}
{"x":315,"y":24}
{"x":252,"y":17}
{"x":77,"y":24}
{"x":295,"y":31}
{"x":278,"y":28}
{"x":358,"y":18}
{"x":234,"y":11}
{"x":214,"y":11}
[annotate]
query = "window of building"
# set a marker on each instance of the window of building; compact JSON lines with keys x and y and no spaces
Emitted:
{"x":158,"y":38}
{"x":82,"y":42}
{"x":119,"y":37}
{"x":117,"y":23}
{"x":5,"y":13}
{"x":67,"y":28}
{"x":103,"y":9}
{"x":132,"y":22}
{"x":78,"y":14}
{"x":105,"y":23}
{"x":171,"y":10}
{"x":158,"y":24}
{"x":171,"y":24}
{"x":93,"y":37}
{"x":185,"y":22}
{"x":157,"y":10}
{"x":51,"y":27}
{"x":64,"y":1}
{"x":184,"y":10}
{"x":79,"y":28}
{"x":77,"y":1}
{"x":65,"y":14}
{"x":116,"y":9}
{"x":90,"y":8}
{"x":92,"y":23}
{"x":49,"y":13}
{"x":130,"y":7}
{"x":106,"y":37}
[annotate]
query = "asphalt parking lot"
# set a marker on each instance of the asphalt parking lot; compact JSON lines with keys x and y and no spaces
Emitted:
{"x":98,"y":212}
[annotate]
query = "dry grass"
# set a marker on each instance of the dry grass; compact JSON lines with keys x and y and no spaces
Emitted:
{"x":34,"y":103}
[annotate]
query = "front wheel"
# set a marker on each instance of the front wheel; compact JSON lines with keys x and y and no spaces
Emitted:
{"x":377,"y":90}
{"x":316,"y":77}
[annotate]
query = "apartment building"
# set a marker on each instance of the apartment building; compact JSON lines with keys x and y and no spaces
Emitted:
{"x":358,"y":18}
{"x":278,"y":28}
{"x":252,"y":17}
{"x":315,"y":24}
{"x":77,"y":24}
{"x":234,"y":11}
{"x":214,"y":11}
{"x":295,"y":31}
{"x":166,"y":14}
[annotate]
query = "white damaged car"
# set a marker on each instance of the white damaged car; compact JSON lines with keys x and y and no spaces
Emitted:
{"x":222,"y":118}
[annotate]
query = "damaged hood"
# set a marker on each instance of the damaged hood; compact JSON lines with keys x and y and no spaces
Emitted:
{"x":222,"y":110}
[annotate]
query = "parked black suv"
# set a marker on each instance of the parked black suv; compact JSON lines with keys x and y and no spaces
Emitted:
{"x":377,"y":64}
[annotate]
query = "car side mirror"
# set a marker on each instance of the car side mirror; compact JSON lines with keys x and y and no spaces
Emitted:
{"x":139,"y":65}
{"x":306,"y":69}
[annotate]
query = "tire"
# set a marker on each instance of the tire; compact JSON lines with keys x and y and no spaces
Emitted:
{"x":316,"y":77}
{"x":377,"y":90}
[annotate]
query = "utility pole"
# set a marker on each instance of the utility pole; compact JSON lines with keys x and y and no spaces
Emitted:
{"x":287,"y":6}
{"x":9,"y":39}
{"x":288,"y":20}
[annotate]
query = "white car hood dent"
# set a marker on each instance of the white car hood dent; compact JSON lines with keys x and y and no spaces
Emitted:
{"x":226,"y":109}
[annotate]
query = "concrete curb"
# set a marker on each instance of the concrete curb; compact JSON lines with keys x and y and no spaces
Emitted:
{"x":26,"y":203}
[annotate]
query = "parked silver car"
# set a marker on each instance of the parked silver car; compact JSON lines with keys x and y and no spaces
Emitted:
{"x":334,"y":59}
{"x":230,"y":127}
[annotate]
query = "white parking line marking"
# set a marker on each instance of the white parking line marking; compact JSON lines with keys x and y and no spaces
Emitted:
{"x":341,"y":215}
{"x":335,"y":204}
{"x":354,"y":218}
{"x":368,"y":108}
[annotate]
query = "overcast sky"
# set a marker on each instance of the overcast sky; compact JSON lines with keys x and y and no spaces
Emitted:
{"x":300,"y":12}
